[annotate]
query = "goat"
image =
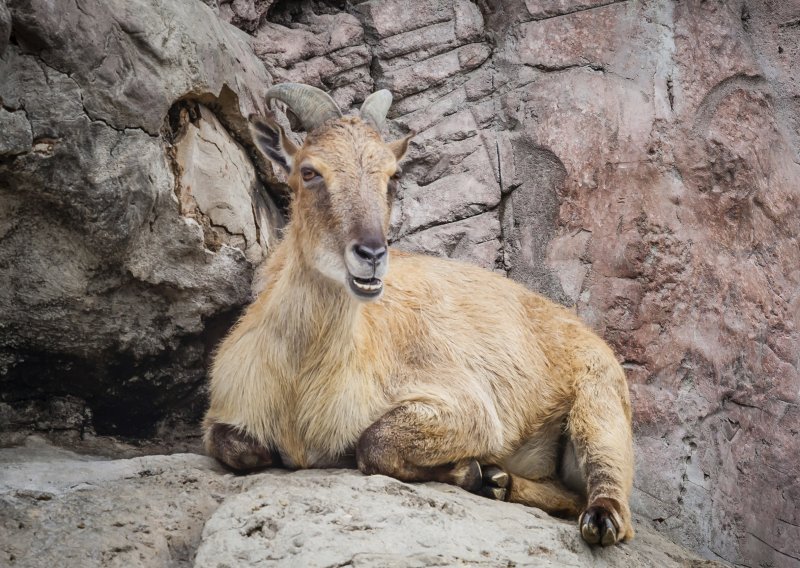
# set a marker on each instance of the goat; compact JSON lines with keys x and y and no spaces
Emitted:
{"x":436,"y":370}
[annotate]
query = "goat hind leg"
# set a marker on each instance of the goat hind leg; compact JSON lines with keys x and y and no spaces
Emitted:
{"x":423,"y":442}
{"x":549,"y":495}
{"x":496,"y":483}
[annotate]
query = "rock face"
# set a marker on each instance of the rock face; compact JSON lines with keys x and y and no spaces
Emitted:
{"x":137,"y":512}
{"x":379,"y":521}
{"x":131,"y":212}
{"x":639,"y":161}
{"x":150,"y":512}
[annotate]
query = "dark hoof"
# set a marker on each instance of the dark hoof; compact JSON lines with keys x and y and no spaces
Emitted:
{"x":496,"y":477}
{"x":597,"y":526}
{"x":469,"y":476}
{"x":495,"y":483}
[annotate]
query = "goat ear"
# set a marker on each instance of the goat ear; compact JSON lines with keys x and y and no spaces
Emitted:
{"x":272,"y":141}
{"x":400,"y":147}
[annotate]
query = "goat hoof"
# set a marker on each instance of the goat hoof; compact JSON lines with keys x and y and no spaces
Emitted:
{"x":467,"y":475}
{"x":495,"y":493}
{"x":495,"y":483}
{"x":495,"y":477}
{"x":609,"y":536}
{"x":597,"y":526}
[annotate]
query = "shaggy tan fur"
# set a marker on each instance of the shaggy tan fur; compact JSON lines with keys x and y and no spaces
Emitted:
{"x":452,"y":364}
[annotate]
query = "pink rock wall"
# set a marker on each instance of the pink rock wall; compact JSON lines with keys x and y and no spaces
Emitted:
{"x":639,"y":161}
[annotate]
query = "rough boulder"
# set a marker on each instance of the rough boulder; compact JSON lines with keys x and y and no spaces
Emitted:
{"x":182,"y":509}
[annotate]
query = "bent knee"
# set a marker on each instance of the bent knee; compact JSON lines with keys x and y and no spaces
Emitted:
{"x":236,"y":449}
{"x":375,"y":453}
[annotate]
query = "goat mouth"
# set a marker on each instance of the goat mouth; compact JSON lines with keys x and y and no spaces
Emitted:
{"x":365,"y":287}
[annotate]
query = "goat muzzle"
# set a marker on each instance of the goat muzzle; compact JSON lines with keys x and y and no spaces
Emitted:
{"x":367,"y":263}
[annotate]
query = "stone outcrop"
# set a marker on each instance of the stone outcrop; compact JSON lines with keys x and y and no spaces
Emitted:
{"x":132,"y":212}
{"x":639,"y":161}
{"x":5,"y":26}
{"x":183,"y":510}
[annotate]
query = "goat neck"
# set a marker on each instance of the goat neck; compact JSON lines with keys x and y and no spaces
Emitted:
{"x":313,"y":313}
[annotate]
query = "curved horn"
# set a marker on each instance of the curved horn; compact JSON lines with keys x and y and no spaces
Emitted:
{"x":311,"y":105}
{"x":376,"y":106}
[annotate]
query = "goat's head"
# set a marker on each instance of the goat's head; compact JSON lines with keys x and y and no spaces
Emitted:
{"x":343,"y":178}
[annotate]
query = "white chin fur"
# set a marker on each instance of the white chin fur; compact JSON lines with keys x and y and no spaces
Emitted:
{"x":335,"y":267}
{"x":331,"y":265}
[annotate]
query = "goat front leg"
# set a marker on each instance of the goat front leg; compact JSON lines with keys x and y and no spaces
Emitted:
{"x":599,"y":427}
{"x":236,"y":449}
{"x":424,"y":442}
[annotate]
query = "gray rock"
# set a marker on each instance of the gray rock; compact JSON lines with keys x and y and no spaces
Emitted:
{"x":444,"y":201}
{"x":244,"y":14}
{"x":5,"y":26}
{"x":132,"y":63}
{"x":206,"y":154}
{"x":183,"y":510}
{"x":146,"y":511}
{"x":476,"y":239}
{"x":16,"y":132}
{"x":434,"y":71}
{"x":338,"y":518}
{"x":110,"y":283}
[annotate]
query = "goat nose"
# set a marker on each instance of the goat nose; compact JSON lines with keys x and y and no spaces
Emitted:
{"x":370,"y":253}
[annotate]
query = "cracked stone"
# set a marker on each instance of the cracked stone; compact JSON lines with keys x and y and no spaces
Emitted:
{"x":430,"y":72}
{"x":116,"y":293}
{"x":244,"y":14}
{"x":16,"y":129}
{"x":5,"y":26}
{"x":446,"y":200}
{"x":546,"y":9}
{"x":475,"y":239}
{"x":235,"y":211}
{"x":184,"y":509}
{"x":391,"y":17}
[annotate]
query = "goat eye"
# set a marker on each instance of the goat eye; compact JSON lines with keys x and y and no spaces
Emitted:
{"x":308,"y":174}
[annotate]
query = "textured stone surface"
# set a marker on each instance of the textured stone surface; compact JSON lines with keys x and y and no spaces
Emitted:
{"x":675,"y":236}
{"x":219,"y":188}
{"x":146,"y":511}
{"x":182,"y":510}
{"x":639,"y":161}
{"x":5,"y":26}
{"x":16,"y":132}
{"x":343,"y":518}
{"x":244,"y":14}
{"x":111,"y":291}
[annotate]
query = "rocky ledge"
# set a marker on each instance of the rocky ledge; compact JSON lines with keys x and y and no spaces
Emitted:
{"x":59,"y":508}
